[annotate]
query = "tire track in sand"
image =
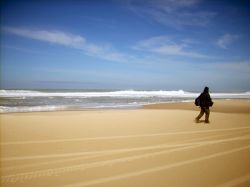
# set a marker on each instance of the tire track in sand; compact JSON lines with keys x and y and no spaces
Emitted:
{"x":108,"y":153}
{"x":160,"y":168}
{"x":237,"y":181}
{"x":21,"y":177}
{"x":98,"y":152}
{"x":119,"y":137}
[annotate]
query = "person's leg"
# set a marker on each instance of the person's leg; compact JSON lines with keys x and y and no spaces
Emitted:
{"x":200,"y":115}
{"x":207,"y":112}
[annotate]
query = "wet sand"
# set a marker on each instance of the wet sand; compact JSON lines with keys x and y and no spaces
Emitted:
{"x":159,"y":145}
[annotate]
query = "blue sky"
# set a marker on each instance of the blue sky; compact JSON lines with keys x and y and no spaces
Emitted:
{"x":125,"y":44}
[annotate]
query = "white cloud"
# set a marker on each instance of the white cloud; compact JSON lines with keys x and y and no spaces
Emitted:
{"x":56,"y":37}
{"x":172,"y":5}
{"x":173,"y":13}
{"x":226,"y":40}
{"x":69,"y":40}
{"x":166,"y":46}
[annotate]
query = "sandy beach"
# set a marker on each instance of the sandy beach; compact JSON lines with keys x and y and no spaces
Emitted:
{"x":156,"y":146}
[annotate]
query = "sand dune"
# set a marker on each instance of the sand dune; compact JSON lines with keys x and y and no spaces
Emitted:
{"x":125,"y":148}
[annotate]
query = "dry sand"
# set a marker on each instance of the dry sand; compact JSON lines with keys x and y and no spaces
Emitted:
{"x":143,"y":147}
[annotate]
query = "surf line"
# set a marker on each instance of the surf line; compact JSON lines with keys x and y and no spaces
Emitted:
{"x":119,"y":137}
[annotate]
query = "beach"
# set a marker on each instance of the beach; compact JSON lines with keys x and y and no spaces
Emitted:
{"x":157,"y":145}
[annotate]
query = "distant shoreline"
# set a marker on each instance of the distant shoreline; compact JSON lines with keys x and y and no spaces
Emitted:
{"x":15,"y":101}
{"x":220,"y":105}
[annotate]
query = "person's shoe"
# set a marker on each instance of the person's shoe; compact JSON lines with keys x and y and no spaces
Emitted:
{"x":206,"y":121}
{"x":196,"y":120}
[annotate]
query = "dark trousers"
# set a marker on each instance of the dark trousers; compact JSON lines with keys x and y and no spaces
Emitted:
{"x":206,"y":111}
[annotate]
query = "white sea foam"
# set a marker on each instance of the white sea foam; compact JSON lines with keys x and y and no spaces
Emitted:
{"x":8,"y":109}
{"x":243,"y":95}
{"x":124,"y":93}
{"x":12,"y":109}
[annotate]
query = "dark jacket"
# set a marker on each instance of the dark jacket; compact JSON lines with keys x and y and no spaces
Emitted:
{"x":205,"y":100}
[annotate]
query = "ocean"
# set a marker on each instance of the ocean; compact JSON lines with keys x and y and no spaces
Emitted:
{"x":55,"y":100}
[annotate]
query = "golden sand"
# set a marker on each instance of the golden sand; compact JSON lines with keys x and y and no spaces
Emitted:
{"x":224,"y":106}
{"x":144,"y":147}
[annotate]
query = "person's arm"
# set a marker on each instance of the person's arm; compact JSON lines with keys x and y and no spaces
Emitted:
{"x":210,"y":102}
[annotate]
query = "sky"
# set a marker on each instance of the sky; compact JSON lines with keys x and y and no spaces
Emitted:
{"x":125,"y":44}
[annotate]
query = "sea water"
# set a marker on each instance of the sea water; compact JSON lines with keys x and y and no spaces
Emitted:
{"x":53,"y":100}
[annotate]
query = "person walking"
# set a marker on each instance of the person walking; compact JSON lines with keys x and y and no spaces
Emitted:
{"x":204,"y":101}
